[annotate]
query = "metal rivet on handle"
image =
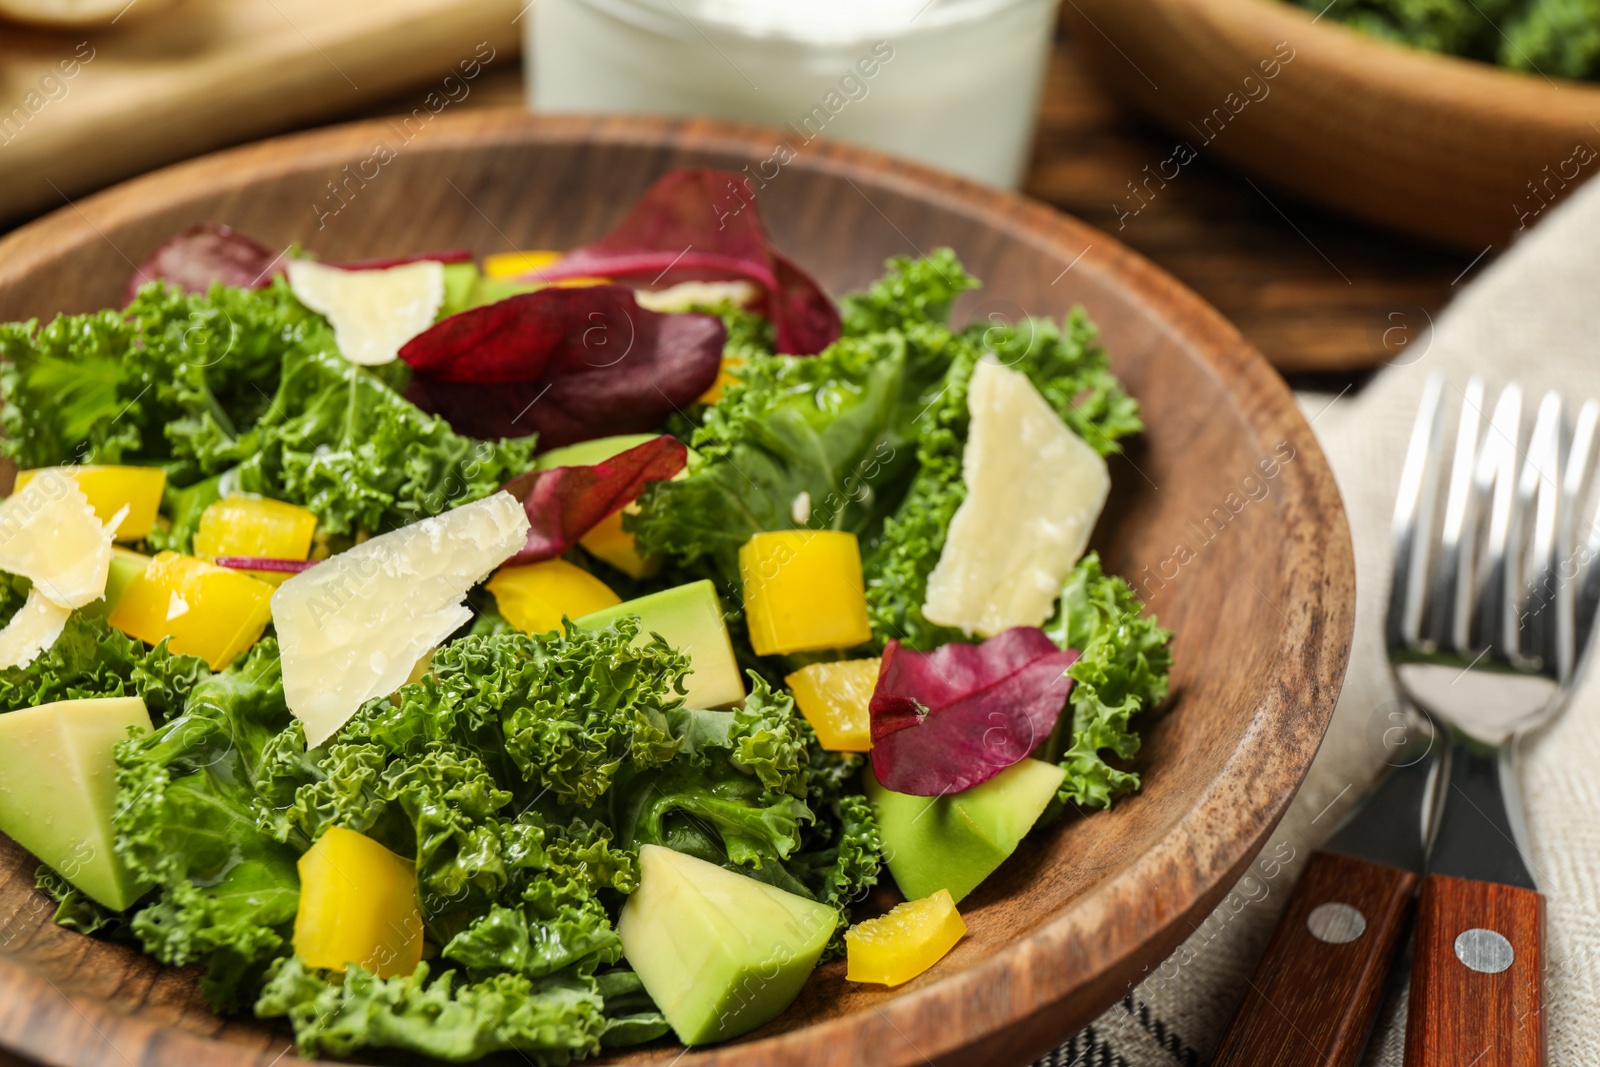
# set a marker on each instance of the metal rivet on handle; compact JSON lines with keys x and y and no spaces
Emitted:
{"x":1336,"y":924}
{"x":1484,"y":951}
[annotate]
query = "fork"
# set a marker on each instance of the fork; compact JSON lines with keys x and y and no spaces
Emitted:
{"x":1486,"y":633}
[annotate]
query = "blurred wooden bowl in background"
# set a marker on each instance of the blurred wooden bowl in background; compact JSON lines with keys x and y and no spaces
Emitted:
{"x":1443,"y":148}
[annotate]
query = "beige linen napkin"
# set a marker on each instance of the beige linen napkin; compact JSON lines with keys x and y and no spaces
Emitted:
{"x":1533,"y":316}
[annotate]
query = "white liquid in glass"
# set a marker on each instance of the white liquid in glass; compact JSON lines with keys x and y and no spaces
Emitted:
{"x":953,"y":83}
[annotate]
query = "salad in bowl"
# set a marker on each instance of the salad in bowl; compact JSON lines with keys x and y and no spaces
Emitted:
{"x":552,"y":653}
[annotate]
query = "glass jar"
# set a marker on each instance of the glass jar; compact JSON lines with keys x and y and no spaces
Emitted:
{"x":954,"y":83}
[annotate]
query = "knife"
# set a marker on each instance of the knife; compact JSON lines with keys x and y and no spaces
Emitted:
{"x":1476,"y":980}
{"x":1315,"y":994}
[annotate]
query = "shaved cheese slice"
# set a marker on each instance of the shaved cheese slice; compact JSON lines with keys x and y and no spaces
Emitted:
{"x":373,"y":312}
{"x":34,"y":628}
{"x":685,"y":296}
{"x":1034,"y":491}
{"x":354,"y":626}
{"x":50,"y":535}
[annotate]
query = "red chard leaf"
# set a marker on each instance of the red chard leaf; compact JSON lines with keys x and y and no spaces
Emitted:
{"x":265,"y":563}
{"x":950,"y":719}
{"x":205,"y":253}
{"x":454,"y":255}
{"x":564,"y":503}
{"x":701,"y":224}
{"x":568,"y":364}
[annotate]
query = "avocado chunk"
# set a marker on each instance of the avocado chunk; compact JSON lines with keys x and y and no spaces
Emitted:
{"x":460,"y":281}
{"x":719,"y":953}
{"x":58,"y":789}
{"x":588,"y":453}
{"x":954,"y":842}
{"x":126,"y":565}
{"x":689,"y":618}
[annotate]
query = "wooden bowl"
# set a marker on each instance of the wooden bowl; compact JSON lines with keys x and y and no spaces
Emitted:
{"x":1261,"y":600}
{"x":1449,"y":149}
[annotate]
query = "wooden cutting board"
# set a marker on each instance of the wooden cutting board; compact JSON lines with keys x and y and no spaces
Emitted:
{"x":80,"y":109}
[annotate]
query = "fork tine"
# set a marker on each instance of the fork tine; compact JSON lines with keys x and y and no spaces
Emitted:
{"x":1450,"y":578}
{"x":1575,"y":475}
{"x":1539,"y":492}
{"x":1584,"y":587}
{"x":1413,"y":519}
{"x":1494,"y":614}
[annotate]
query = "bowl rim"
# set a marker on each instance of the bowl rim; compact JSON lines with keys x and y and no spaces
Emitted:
{"x":1408,"y":66}
{"x":1120,"y":927}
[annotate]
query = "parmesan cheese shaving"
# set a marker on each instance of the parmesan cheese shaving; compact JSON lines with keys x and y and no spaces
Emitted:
{"x":354,"y":626}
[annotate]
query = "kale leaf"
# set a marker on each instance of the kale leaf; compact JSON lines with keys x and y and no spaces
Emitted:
{"x":1122,"y":668}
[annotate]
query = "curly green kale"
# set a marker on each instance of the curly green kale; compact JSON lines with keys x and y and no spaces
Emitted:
{"x":1556,"y":38}
{"x":90,"y":659}
{"x":1122,"y":668}
{"x":1069,"y":369}
{"x":184,"y":820}
{"x":551,"y":1020}
{"x":237,"y":391}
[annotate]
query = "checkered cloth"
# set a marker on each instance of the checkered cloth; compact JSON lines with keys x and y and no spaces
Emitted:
{"x":1533,"y":315}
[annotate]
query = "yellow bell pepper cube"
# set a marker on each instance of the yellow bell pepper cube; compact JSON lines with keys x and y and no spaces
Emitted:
{"x":900,"y":945}
{"x":609,"y":542}
{"x":834,"y":698}
{"x":803,"y":591}
{"x":255,"y":526}
{"x":725,"y":378}
{"x":516,"y":264}
{"x":110,"y":489}
{"x":534,"y":596}
{"x":358,"y":904}
{"x":207,"y":611}
{"x":511,"y":264}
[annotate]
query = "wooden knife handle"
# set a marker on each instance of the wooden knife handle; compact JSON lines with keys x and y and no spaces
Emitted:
{"x":1477,"y":993}
{"x":1316,"y":992}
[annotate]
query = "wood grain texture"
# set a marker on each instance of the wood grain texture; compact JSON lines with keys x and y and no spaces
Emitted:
{"x":1446,"y":148}
{"x":1458,"y":1016}
{"x":1261,"y":601}
{"x":198,"y":75}
{"x":1314,"y":1002}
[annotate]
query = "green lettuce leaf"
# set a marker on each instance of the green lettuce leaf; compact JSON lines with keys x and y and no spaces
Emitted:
{"x":1122,"y":668}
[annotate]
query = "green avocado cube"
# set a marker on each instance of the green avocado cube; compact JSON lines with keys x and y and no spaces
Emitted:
{"x":58,"y":789}
{"x":718,"y":952}
{"x":126,"y":565}
{"x":954,"y":842}
{"x":460,"y":280}
{"x":588,"y":453}
{"x":690,"y":619}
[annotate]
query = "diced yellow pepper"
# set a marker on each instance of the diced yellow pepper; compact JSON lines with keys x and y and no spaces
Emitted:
{"x":110,"y":489}
{"x":608,"y":541}
{"x":803,"y":591}
{"x":208,"y":611}
{"x":834,"y":698}
{"x":534,"y":596}
{"x":358,"y":904}
{"x":912,"y":937}
{"x":725,"y":378}
{"x":516,"y":264}
{"x":511,"y":264}
{"x":255,"y":526}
